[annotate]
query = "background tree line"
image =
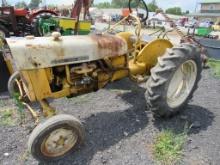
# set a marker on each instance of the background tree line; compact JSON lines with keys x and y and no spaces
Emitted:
{"x":32,"y":5}
{"x":152,"y":6}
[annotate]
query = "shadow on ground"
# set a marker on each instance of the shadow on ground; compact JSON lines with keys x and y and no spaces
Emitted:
{"x":194,"y":116}
{"x":106,"y":129}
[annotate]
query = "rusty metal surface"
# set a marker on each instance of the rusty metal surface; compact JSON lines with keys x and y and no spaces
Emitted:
{"x":109,"y":43}
{"x":43,"y":52}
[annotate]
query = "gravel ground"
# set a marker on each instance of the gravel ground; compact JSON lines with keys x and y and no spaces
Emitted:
{"x":120,"y":130}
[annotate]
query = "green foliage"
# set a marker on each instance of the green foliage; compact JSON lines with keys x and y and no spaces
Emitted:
{"x":103,"y":5}
{"x":152,"y":6}
{"x":124,"y":4}
{"x":34,"y":4}
{"x":6,"y":118}
{"x":20,"y":106}
{"x":215,"y":65}
{"x":136,"y":4}
{"x":174,"y":10}
{"x":119,"y":3}
{"x":168,"y":147}
{"x":187,"y":12}
{"x":50,"y":6}
{"x":21,"y":4}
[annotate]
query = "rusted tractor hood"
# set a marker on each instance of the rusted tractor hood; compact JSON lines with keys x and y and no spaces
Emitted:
{"x":44,"y":52}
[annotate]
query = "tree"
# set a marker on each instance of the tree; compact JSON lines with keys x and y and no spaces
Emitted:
{"x":136,"y":4}
{"x":152,"y":6}
{"x":174,"y":10}
{"x":34,"y":4}
{"x":119,"y":3}
{"x":187,"y":11}
{"x":21,"y":4}
{"x":103,"y":5}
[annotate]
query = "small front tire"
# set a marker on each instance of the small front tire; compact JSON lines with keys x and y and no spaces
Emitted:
{"x":56,"y":138}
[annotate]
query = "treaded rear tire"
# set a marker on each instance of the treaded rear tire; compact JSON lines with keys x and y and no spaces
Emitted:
{"x":162,"y":74}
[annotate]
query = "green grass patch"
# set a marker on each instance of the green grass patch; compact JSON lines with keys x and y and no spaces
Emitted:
{"x":20,"y":107}
{"x":7,"y":117}
{"x":168,"y":147}
{"x":215,"y":66}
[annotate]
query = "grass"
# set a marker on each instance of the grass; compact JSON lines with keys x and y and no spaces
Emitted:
{"x":215,"y":65}
{"x":168,"y":147}
{"x":20,"y":107}
{"x":7,"y":117}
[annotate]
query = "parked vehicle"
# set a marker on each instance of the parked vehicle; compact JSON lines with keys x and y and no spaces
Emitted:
{"x":19,"y":22}
{"x":116,"y":17}
{"x":216,"y":26}
{"x":206,"y":24}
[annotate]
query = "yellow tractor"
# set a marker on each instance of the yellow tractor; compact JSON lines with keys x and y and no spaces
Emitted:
{"x":66,"y":66}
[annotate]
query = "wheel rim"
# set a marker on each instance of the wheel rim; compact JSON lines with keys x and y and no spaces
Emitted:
{"x":2,"y":33}
{"x":59,"y":142}
{"x":182,"y":84}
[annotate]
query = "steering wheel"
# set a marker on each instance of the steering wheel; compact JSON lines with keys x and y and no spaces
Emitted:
{"x":139,"y":4}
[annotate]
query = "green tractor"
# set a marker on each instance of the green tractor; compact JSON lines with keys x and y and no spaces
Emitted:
{"x":47,"y":24}
{"x":79,"y":23}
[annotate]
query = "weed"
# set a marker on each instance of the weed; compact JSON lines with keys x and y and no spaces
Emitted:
{"x":215,"y":65}
{"x":168,"y":146}
{"x":7,"y":117}
{"x":20,"y":106}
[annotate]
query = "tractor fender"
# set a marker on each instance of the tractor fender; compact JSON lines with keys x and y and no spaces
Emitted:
{"x":34,"y":15}
{"x":149,"y":54}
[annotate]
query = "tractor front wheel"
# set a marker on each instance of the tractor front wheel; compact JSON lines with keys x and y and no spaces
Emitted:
{"x":56,"y":138}
{"x":173,"y":80}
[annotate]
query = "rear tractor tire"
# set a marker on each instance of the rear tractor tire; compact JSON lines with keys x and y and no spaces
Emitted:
{"x":173,"y":80}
